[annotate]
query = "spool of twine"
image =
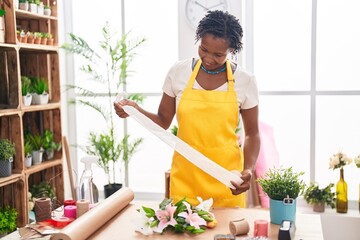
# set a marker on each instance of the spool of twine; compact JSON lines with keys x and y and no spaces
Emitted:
{"x":239,"y":227}
{"x":82,"y":206}
{"x":42,"y":209}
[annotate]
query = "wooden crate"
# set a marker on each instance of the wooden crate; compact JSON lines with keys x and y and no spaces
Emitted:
{"x":45,"y":65}
{"x":11,"y":128}
{"x":10,"y":90}
{"x":14,"y":194}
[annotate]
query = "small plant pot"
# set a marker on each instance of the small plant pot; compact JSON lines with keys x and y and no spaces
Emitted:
{"x":110,"y":189}
{"x":50,"y":41}
{"x":28,"y":161}
{"x":27,"y":100}
{"x":319,"y":207}
{"x":24,"y":6}
{"x":16,"y":4}
{"x":43,"y":41}
{"x":33,"y":8}
{"x":47,"y":11}
{"x":40,"y":99}
{"x":49,"y":154}
{"x":5,"y":167}
{"x":30,"y":40}
{"x":40,"y":9}
{"x":37,"y":40}
{"x":37,"y":157}
{"x":280,"y":211}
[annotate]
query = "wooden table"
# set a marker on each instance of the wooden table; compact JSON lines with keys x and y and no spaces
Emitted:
{"x":122,"y":225}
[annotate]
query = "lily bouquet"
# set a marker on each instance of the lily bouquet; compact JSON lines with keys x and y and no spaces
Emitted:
{"x":179,"y":217}
{"x":339,"y":160}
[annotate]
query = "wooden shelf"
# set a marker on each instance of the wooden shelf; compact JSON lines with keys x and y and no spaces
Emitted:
{"x":32,"y":60}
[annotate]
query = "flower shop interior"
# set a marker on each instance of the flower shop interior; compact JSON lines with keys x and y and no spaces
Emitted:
{"x":308,"y":118}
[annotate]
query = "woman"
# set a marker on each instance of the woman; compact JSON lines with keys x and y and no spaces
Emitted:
{"x":207,"y":95}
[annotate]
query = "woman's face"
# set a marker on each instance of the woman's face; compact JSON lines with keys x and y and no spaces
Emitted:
{"x":213,"y":51}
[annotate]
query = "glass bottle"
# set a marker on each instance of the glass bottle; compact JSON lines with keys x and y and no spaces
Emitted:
{"x":341,"y":194}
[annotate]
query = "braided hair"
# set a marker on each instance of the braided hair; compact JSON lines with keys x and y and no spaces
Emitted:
{"x":223,"y":25}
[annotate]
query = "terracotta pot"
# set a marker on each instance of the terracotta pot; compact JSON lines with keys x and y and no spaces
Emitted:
{"x":50,"y":41}
{"x":319,"y":207}
{"x":30,"y":40}
{"x":37,"y":40}
{"x":43,"y":41}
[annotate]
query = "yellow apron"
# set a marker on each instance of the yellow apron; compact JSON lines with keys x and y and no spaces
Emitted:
{"x":207,"y":121}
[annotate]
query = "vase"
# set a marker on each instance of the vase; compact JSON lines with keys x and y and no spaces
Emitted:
{"x":319,"y":207}
{"x":280,"y":210}
{"x":341,"y":194}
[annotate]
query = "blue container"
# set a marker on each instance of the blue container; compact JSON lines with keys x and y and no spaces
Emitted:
{"x":282,"y":210}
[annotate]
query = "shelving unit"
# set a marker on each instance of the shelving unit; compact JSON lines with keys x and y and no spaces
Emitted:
{"x":24,"y":59}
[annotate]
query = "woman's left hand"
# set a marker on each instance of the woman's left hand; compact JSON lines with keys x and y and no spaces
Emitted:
{"x":243,"y":187}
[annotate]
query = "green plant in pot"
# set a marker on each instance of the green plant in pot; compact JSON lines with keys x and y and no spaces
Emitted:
{"x":42,"y":190}
{"x":319,"y":197}
{"x":40,"y":89}
{"x":28,"y":153}
{"x":107,"y":68}
{"x":7,"y":152}
{"x":8,"y":217}
{"x":37,"y":145}
{"x":25,"y":90}
{"x":283,"y":186}
{"x":49,"y":144}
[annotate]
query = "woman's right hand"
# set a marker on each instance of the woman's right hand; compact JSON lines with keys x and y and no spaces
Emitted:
{"x":118,"y":106}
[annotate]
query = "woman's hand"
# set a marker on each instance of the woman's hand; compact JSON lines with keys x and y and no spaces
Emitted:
{"x":243,"y":187}
{"x":118,"y":106}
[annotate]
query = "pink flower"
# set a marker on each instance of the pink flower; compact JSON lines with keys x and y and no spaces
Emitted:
{"x":192,"y":218}
{"x":166,"y":217}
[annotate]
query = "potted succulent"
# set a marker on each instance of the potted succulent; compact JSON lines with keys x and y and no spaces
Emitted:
{"x":283,"y":186}
{"x":49,"y":144}
{"x":43,"y":38}
{"x":30,"y":37}
{"x":50,"y":39}
{"x":40,"y":87}
{"x":318,"y":197}
{"x":40,"y":7}
{"x":8,"y":216}
{"x":47,"y":10}
{"x":37,"y":37}
{"x":27,"y":153}
{"x":37,"y":146}
{"x":2,"y":25}
{"x":110,"y":66}
{"x":7,"y":151}
{"x":32,"y":6}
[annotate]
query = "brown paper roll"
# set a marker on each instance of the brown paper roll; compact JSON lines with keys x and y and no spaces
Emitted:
{"x":91,"y":221}
{"x":239,"y":227}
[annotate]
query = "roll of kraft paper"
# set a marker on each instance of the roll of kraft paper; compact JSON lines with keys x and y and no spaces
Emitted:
{"x":191,"y":154}
{"x":83,"y":227}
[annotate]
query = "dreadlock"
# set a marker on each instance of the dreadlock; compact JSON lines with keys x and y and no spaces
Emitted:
{"x":222,"y":25}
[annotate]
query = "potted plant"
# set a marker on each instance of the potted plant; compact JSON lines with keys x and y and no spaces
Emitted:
{"x":27,"y":153}
{"x":50,"y":39}
{"x":40,"y":87}
{"x":7,"y":151}
{"x":25,"y":90}
{"x":49,"y":144}
{"x":43,"y":39}
{"x":283,"y":186}
{"x":30,"y":37}
{"x":37,"y":146}
{"x":47,"y":10}
{"x":24,"y":5}
{"x":37,"y":37}
{"x":42,"y":190}
{"x":8,"y":216}
{"x":318,"y":197}
{"x":40,"y":7}
{"x":32,"y":6}
{"x":110,"y":66}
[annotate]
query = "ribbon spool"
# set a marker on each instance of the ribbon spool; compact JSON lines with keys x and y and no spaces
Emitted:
{"x":70,"y":211}
{"x":239,"y":227}
{"x":261,"y":228}
{"x":69,"y":202}
{"x":82,"y":206}
{"x":42,"y":209}
{"x":60,"y":222}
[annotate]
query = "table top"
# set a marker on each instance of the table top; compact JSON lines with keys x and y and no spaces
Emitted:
{"x":308,"y":226}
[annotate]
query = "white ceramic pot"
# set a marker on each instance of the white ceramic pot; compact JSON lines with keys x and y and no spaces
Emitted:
{"x":47,"y":11}
{"x":37,"y":157}
{"x":27,"y":100}
{"x":33,"y":8}
{"x":40,"y":9}
{"x":16,"y":4}
{"x":24,"y":6}
{"x":28,"y":161}
{"x":40,"y":99}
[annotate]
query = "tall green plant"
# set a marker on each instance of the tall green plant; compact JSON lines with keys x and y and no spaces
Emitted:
{"x":109,"y":67}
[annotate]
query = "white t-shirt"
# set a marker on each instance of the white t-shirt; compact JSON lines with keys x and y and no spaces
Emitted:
{"x":179,"y":74}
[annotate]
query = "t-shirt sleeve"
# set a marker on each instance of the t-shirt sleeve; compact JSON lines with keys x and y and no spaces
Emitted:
{"x":168,"y":83}
{"x":251,"y":94}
